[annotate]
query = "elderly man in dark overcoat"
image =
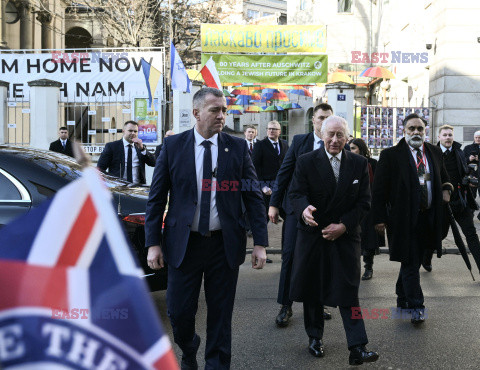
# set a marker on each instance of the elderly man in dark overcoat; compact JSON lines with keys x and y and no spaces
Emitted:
{"x":409,"y":188}
{"x":330,"y":194}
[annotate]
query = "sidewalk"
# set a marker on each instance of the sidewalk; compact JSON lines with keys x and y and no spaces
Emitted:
{"x":275,"y":239}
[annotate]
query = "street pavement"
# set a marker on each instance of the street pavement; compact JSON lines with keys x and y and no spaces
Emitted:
{"x":449,"y":339}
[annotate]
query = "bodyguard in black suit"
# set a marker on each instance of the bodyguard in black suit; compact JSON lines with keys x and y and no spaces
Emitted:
{"x":330,"y":194}
{"x":301,"y":144}
{"x":126,"y":158}
{"x":409,"y":188}
{"x":462,"y":200}
{"x":63,"y":144}
{"x":267,"y":158}
{"x":472,"y":152}
{"x":204,"y":235}
{"x":250,"y":133}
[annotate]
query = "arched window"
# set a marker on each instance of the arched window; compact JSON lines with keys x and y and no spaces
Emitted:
{"x":78,"y":38}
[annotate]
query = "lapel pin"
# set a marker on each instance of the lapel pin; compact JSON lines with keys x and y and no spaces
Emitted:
{"x":226,"y":149}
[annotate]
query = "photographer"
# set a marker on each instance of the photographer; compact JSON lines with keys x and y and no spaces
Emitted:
{"x":465,"y":181}
{"x":471,"y":152}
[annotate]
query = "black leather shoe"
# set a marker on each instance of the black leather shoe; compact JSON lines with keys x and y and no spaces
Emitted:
{"x":418,"y":316}
{"x":316,"y":347}
{"x":359,"y":355}
{"x":189,"y":362}
{"x":427,"y":267}
{"x":283,"y":316}
{"x":367,"y":275}
{"x":326,"y":315}
{"x":268,"y":260}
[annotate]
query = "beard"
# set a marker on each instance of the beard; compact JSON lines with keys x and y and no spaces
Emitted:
{"x":415,"y":141}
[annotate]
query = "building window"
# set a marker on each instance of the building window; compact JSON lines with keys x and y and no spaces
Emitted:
{"x":302,"y":4}
{"x":265,"y":14}
{"x":252,"y":14}
{"x":344,"y":6}
{"x":283,"y":120}
{"x":236,"y":124}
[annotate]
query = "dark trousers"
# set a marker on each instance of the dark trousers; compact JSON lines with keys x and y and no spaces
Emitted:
{"x":408,"y":287}
{"x":289,"y":238}
{"x":315,"y":323}
{"x":205,"y":257}
{"x":368,"y":258}
{"x":465,"y":220}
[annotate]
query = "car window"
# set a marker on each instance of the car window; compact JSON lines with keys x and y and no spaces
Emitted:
{"x":8,"y":190}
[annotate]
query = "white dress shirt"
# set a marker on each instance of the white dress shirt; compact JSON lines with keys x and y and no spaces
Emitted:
{"x":316,"y":142}
{"x":135,"y":161}
{"x":339,"y":156}
{"x":199,"y":152}
{"x":413,"y":151}
{"x":278,"y":145}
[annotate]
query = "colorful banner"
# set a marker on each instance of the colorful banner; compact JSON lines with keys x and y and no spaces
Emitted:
{"x":298,"y":69}
{"x":264,"y":39}
{"x":147,"y":119}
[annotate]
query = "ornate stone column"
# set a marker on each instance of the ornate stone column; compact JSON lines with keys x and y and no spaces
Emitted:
{"x":45,"y":18}
{"x":3,"y":43}
{"x":26,"y":25}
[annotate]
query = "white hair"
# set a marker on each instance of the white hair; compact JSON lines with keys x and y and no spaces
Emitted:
{"x":335,"y":119}
{"x":477,"y":133}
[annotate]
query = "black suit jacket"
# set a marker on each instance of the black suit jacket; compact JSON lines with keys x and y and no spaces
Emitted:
{"x":266,"y":160}
{"x":112,"y":160}
{"x":396,"y":197}
{"x":326,"y":271}
{"x":158,"y":149}
{"x":175,"y":174}
{"x":56,"y":146}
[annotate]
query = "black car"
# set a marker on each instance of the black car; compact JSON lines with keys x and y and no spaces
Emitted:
{"x":30,"y":176}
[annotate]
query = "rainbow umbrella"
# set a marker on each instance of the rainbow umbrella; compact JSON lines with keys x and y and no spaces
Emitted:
{"x":226,"y":93}
{"x":240,"y":92}
{"x":339,"y":77}
{"x":253,"y":109}
{"x":272,"y":108}
{"x":234,"y":107}
{"x":267,"y":91}
{"x":234,"y":111}
{"x":301,"y":92}
{"x":256,"y":96}
{"x":378,"y":72}
{"x":243,"y":99}
{"x":231,"y":101}
{"x":290,"y":106}
{"x":281,"y":96}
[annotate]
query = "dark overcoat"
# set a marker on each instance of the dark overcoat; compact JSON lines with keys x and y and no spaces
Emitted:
{"x":328,"y":272}
{"x":396,"y":197}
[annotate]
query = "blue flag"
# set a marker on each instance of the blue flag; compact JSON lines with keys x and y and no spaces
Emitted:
{"x":180,"y":80}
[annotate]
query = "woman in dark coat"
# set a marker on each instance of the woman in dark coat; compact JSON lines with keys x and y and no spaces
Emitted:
{"x":371,"y":241}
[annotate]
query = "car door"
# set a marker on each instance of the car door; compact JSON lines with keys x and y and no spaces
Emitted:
{"x":15,"y":199}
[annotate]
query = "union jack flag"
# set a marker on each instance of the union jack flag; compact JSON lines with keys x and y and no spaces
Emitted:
{"x":71,"y":293}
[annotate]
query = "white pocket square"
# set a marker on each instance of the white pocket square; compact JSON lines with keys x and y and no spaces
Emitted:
{"x":355,"y":181}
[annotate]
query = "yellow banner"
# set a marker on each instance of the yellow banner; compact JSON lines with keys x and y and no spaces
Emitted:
{"x":264,"y":39}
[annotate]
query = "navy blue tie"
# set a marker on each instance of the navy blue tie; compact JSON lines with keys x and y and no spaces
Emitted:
{"x":204,"y":222}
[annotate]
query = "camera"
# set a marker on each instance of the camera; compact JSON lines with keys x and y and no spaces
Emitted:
{"x":471,"y":177}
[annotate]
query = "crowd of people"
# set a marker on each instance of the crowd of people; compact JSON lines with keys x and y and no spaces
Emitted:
{"x":335,"y":201}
